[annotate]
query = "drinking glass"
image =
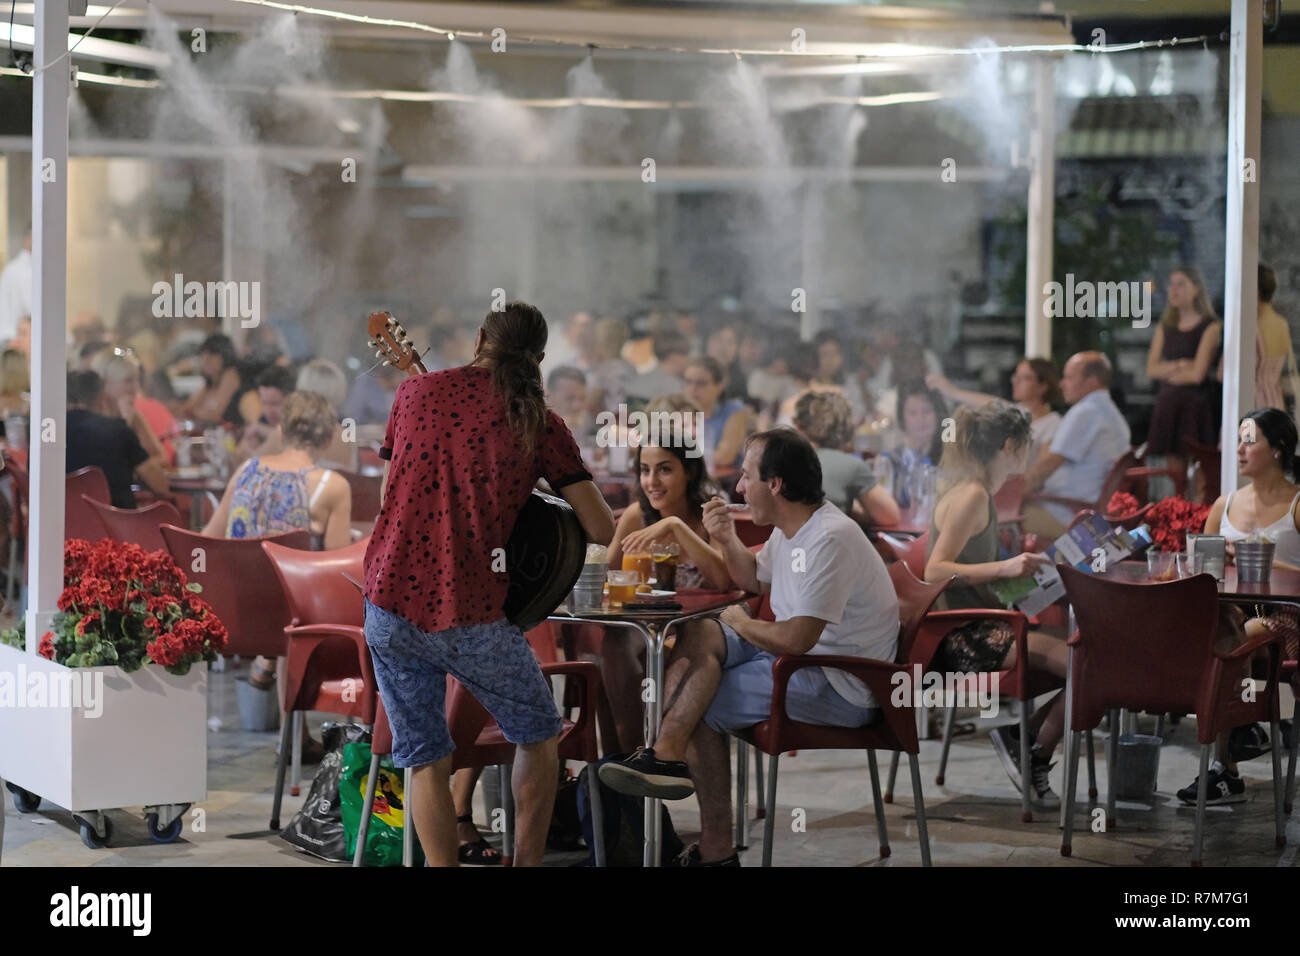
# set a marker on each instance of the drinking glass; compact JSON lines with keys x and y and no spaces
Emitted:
{"x":1190,"y":563}
{"x":665,"y":564}
{"x":622,"y":586}
{"x":1161,"y":566}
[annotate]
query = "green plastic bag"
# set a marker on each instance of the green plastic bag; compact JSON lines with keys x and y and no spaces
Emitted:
{"x":387,"y":816}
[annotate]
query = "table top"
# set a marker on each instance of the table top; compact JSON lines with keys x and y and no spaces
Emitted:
{"x":692,"y":600}
{"x":196,"y":483}
{"x":907,"y":524}
{"x":1283,"y":583}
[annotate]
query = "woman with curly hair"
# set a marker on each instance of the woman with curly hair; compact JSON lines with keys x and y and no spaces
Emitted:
{"x":826,"y":420}
{"x":288,"y":491}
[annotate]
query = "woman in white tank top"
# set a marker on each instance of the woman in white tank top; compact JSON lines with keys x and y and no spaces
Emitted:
{"x":1266,"y":507}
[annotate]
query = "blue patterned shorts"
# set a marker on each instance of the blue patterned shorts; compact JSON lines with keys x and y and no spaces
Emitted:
{"x":494,"y":663}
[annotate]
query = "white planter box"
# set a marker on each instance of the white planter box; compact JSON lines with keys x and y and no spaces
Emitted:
{"x":149,"y":744}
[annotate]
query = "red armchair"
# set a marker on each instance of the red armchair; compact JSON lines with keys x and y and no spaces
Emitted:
{"x":139,"y":526}
{"x":79,"y":518}
{"x":894,"y":729}
{"x":1174,"y":668}
{"x":327,"y":664}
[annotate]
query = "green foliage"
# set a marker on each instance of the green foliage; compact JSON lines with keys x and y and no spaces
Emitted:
{"x":1097,"y":241}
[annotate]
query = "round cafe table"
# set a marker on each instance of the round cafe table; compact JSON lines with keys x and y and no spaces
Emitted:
{"x":653,"y":627}
{"x":1283,"y":584}
{"x":196,"y":486}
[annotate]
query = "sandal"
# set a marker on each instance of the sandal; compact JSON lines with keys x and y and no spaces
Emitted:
{"x":478,"y":853}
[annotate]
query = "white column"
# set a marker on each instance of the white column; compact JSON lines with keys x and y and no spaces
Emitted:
{"x":228,"y":219}
{"x":1042,"y":190}
{"x":1240,"y":279}
{"x":49,"y":319}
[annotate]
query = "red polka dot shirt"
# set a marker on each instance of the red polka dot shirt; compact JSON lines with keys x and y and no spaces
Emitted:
{"x":456,"y":482}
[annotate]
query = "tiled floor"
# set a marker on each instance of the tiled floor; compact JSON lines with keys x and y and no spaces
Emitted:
{"x":973,"y":819}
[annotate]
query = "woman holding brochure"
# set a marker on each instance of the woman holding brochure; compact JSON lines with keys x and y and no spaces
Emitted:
{"x":991,"y":444}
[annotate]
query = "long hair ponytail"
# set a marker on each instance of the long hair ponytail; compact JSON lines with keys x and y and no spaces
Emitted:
{"x":513,"y":342}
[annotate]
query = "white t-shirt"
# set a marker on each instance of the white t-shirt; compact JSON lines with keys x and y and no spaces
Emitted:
{"x":829,"y":570}
{"x":1091,"y":438}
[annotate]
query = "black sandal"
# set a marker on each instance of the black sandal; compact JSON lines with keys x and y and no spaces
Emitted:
{"x":477,"y":853}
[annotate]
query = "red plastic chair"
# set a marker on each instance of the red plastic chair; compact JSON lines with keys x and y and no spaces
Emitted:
{"x":239,"y":583}
{"x":912,"y":554}
{"x":79,"y":518}
{"x":1173,"y":668}
{"x":915,"y":600}
{"x":327,"y":663}
{"x":139,"y":526}
{"x":894,"y":729}
{"x":1018,"y":683}
{"x":17,"y":524}
{"x":365,"y":494}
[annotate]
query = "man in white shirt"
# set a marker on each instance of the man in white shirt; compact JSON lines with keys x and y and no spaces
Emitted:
{"x":1090,"y":439}
{"x":16,"y":291}
{"x":830,"y":594}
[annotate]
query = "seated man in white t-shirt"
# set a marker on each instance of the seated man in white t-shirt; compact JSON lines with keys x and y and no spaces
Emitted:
{"x":830,"y":594}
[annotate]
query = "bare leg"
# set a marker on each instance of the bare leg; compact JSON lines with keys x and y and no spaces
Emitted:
{"x":536,"y":772}
{"x":710,"y":765}
{"x":463,"y":782}
{"x":691,"y":680}
{"x":434,"y":813}
{"x":621,"y":671}
{"x":1050,"y":655}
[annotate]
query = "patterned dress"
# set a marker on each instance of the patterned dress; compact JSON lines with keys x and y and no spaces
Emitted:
{"x":266,"y":501}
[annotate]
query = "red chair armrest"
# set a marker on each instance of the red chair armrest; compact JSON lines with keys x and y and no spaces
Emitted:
{"x":876,"y":674}
{"x":302,"y":643}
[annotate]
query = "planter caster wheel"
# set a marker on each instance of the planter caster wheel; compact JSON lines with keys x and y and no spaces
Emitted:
{"x":167,"y":834}
{"x":24,"y":800}
{"x":91,"y":837}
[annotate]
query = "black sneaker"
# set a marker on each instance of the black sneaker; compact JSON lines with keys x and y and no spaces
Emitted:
{"x":691,"y":857}
{"x":1006,"y":742}
{"x":642,"y":775}
{"x":1224,"y":787}
{"x":1042,"y":796}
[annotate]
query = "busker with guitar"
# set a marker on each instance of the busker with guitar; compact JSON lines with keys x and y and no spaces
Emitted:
{"x":465,"y":448}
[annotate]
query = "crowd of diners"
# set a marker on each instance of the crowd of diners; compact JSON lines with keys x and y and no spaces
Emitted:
{"x":820,"y":439}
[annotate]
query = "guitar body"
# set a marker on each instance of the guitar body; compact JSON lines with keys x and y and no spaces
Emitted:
{"x":544,"y":557}
{"x":547,"y":545}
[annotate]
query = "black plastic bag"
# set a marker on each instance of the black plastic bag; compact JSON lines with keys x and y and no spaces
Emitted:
{"x":318,"y":827}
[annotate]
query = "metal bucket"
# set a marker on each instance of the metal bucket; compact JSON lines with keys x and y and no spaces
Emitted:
{"x":589,"y":591}
{"x":1254,"y":561}
{"x":258,"y":709}
{"x":1137,"y":765}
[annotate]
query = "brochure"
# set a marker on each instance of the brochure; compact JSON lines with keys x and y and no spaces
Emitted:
{"x":1091,"y":546}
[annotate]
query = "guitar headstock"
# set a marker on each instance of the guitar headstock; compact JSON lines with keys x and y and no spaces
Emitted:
{"x":389,"y":340}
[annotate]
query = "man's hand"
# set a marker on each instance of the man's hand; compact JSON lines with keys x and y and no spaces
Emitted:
{"x":735,"y":617}
{"x":718,"y":522}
